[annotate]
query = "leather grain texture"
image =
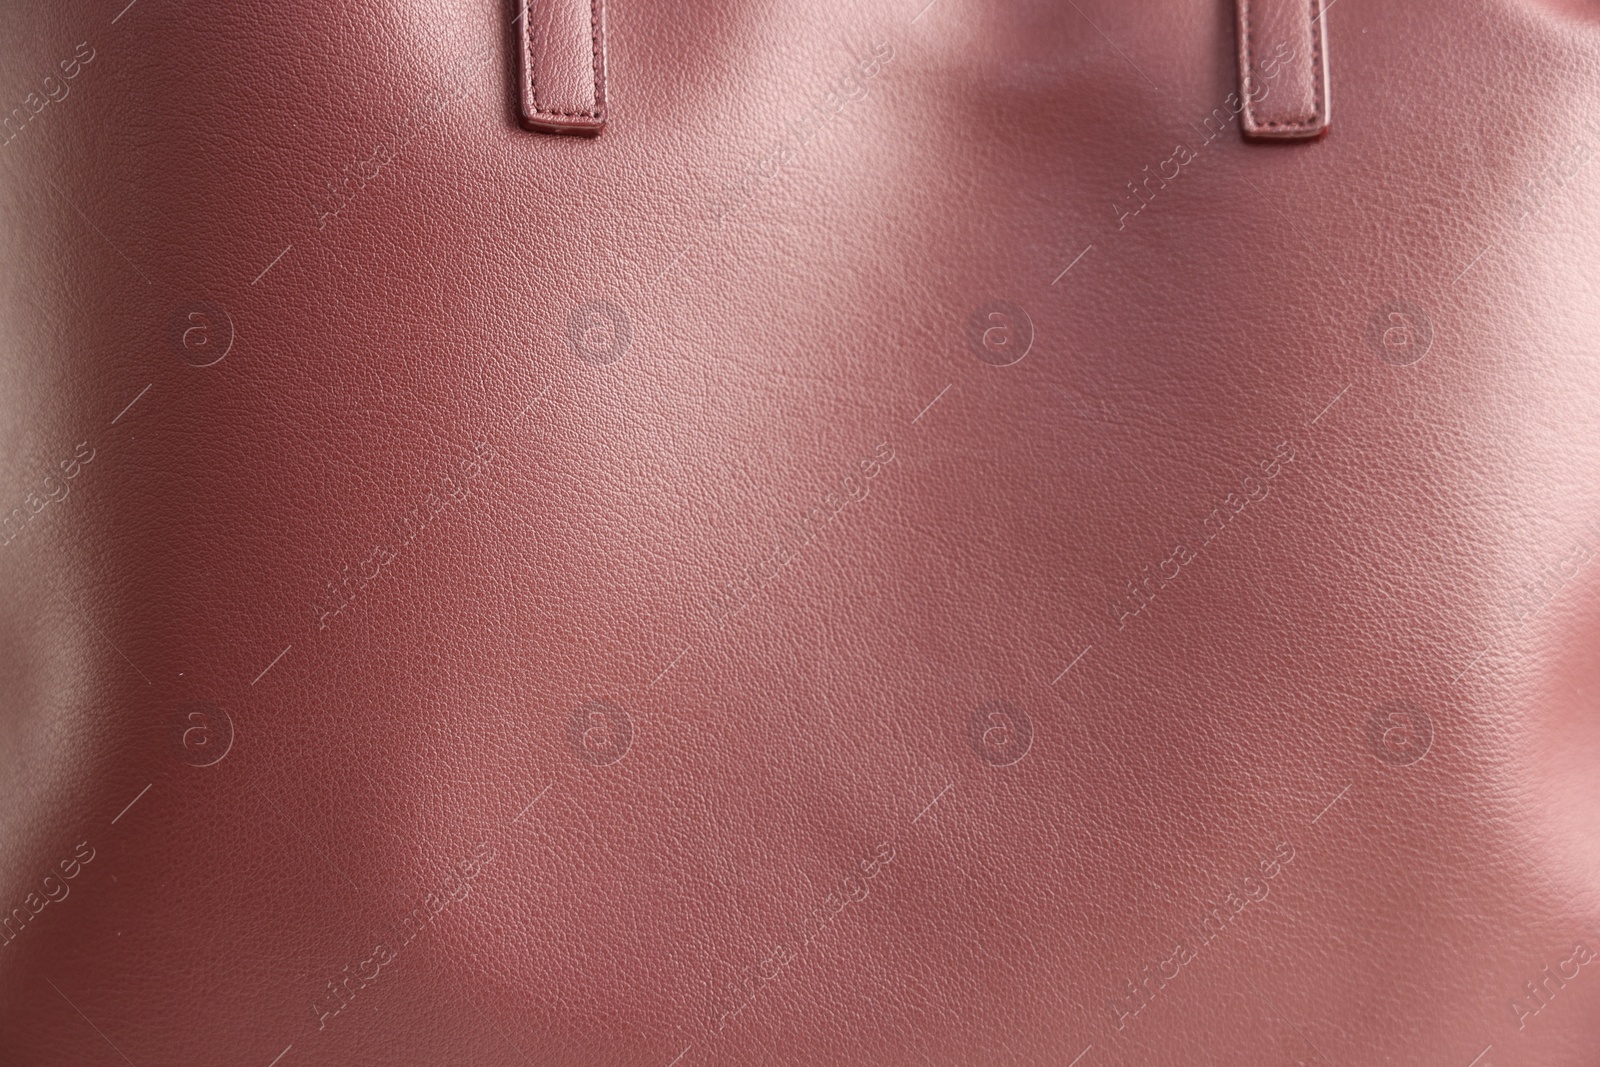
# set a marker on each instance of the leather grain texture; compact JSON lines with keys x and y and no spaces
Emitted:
{"x":563,"y":64}
{"x":1283,"y":69}
{"x":920,"y":545}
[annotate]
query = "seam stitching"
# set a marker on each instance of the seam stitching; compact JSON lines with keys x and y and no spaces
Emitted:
{"x":594,"y":66}
{"x":1310,"y":122}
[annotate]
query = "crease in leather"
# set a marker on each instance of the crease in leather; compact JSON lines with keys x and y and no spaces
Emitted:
{"x":1284,"y":42}
{"x":562,"y":48}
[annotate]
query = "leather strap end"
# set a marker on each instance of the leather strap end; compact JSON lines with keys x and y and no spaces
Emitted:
{"x":562,"y":44}
{"x":1283,"y":69}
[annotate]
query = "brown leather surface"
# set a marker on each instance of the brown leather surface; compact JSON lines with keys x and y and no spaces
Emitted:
{"x":843,"y":568}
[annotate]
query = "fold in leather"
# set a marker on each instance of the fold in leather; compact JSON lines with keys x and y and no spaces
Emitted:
{"x":562,"y":45}
{"x":1283,"y":69}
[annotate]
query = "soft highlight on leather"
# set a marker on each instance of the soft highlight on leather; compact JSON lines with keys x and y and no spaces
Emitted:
{"x":918,"y":545}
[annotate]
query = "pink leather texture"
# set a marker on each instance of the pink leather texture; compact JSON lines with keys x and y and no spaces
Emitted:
{"x":920,"y":544}
{"x":563,"y":65}
{"x":1283,"y":69}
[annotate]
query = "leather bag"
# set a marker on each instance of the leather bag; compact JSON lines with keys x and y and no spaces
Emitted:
{"x":909,"y":532}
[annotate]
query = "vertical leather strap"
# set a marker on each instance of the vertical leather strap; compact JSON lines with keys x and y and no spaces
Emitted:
{"x":563,"y":49}
{"x":1283,"y":68}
